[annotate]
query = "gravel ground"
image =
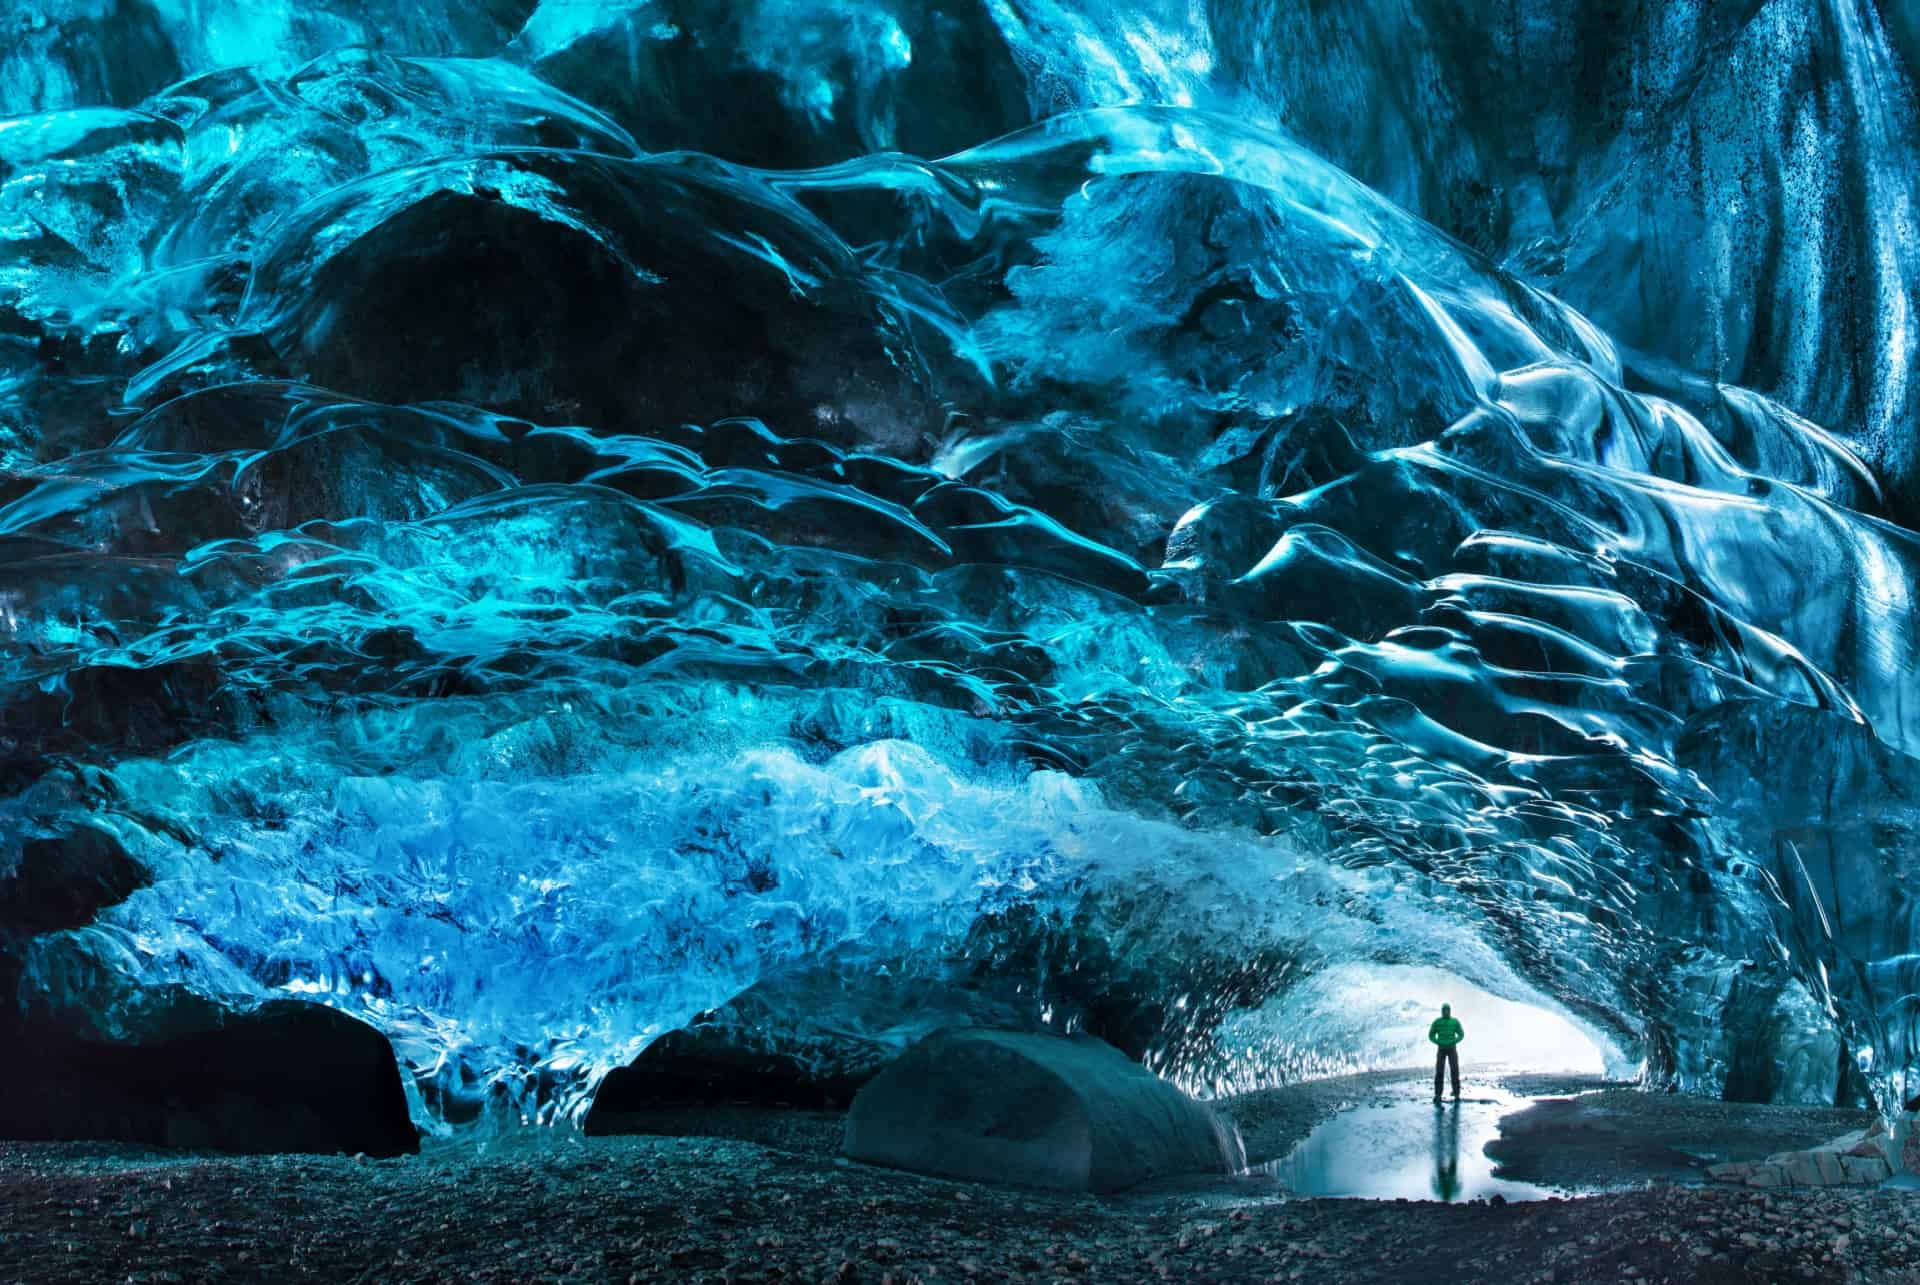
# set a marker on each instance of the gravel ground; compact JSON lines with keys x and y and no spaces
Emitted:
{"x":661,"y":1208}
{"x":1620,"y":1135}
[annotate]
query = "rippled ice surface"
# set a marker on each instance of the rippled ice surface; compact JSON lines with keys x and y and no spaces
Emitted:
{"x":542,"y":524}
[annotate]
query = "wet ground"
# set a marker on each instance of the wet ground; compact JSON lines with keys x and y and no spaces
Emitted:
{"x":1615,"y":1136}
{"x":1406,"y":1150}
{"x":758,"y":1196}
{"x":1521,"y":1137}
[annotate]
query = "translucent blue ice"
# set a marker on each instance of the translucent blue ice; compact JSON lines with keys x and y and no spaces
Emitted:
{"x":540,"y":523}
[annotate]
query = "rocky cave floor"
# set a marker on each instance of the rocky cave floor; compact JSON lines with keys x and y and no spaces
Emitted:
{"x":754,"y":1194}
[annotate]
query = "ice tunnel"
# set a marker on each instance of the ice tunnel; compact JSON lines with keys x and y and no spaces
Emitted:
{"x":546,"y":526}
{"x":1366,"y":1017}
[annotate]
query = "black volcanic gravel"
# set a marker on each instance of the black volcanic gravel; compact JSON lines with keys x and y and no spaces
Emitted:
{"x":780,"y":1208}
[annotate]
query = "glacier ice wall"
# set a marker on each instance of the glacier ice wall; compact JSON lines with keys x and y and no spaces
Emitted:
{"x":539,"y":522}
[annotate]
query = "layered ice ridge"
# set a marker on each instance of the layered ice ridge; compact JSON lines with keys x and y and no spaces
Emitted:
{"x":531,"y":587}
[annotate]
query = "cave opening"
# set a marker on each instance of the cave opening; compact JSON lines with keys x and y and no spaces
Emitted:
{"x":1365,"y":1015}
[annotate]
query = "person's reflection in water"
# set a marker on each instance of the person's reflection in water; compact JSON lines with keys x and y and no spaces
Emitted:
{"x":1446,"y":1155}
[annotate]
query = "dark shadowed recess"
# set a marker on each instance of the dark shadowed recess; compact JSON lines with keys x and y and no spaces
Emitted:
{"x":283,"y":1076}
{"x":687,"y":1068}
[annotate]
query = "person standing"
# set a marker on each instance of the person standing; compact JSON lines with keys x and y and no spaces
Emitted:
{"x":1446,"y":1033}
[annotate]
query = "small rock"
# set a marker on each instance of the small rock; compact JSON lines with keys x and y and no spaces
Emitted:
{"x":1801,"y":1168}
{"x":1865,"y":1170}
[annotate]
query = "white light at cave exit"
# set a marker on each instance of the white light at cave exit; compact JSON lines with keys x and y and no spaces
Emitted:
{"x":1386,"y":1008}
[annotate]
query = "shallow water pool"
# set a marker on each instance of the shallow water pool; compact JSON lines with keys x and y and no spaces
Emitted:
{"x":1406,"y":1149}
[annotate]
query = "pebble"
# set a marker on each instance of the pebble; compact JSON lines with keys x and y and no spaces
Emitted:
{"x":638,"y":1208}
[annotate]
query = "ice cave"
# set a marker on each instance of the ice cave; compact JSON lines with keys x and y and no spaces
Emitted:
{"x":548,"y":543}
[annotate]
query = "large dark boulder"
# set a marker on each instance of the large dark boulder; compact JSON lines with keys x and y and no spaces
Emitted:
{"x":1035,"y":1110}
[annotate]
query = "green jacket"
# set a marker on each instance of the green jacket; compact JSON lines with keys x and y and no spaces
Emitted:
{"x":1446,"y":1030}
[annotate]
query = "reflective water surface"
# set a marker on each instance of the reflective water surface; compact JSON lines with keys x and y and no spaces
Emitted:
{"x":1409,"y":1150}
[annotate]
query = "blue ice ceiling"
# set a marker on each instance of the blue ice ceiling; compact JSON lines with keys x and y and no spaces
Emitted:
{"x":541,"y":523}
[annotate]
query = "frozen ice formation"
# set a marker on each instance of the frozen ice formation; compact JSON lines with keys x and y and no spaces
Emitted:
{"x":539,"y":524}
{"x":1075,"y":1114}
